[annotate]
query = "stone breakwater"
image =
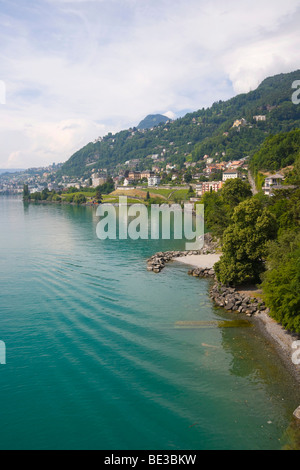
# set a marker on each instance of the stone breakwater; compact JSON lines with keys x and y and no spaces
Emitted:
{"x":202,"y":272}
{"x":158,"y":261}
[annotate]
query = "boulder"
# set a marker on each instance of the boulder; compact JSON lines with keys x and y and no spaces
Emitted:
{"x":229,"y":306}
{"x":297,"y":413}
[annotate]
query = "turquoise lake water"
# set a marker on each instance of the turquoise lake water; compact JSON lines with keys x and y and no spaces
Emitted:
{"x":94,"y":360}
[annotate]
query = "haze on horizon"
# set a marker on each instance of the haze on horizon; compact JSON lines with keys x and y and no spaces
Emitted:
{"x":78,"y":69}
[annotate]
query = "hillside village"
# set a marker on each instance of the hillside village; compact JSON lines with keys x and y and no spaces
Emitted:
{"x":198,"y":152}
{"x":206,"y":175}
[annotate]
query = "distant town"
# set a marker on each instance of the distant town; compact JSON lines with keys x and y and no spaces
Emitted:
{"x":206,"y":175}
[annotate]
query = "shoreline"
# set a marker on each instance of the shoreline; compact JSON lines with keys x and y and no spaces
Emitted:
{"x":271,"y":330}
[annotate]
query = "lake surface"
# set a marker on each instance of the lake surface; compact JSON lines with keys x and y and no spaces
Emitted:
{"x":94,"y":360}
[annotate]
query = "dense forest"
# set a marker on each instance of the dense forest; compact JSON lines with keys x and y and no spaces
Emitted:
{"x":207,"y":131}
{"x":277,"y":152}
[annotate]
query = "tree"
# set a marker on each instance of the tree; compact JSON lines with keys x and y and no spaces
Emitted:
{"x":188,"y":177}
{"x":294,"y":175}
{"x":235,"y":191}
{"x":219,"y":206}
{"x":191,"y":192}
{"x":245,"y":243}
{"x":281,"y":283}
{"x":79,"y":198}
{"x":98,"y":195}
{"x":45,"y":194}
{"x":26,"y":192}
{"x":217,"y":217}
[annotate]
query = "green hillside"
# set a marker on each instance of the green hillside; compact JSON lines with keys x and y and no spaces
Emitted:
{"x":277,"y":152}
{"x":207,"y":131}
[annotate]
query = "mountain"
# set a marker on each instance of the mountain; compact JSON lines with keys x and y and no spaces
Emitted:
{"x":208,"y":131}
{"x":152,"y":120}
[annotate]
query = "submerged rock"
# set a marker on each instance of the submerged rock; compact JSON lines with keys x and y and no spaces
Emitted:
{"x":297,"y":413}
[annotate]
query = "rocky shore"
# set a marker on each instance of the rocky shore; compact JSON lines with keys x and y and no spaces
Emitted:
{"x":229,"y":298}
{"x":245,"y":302}
{"x":232,"y":300}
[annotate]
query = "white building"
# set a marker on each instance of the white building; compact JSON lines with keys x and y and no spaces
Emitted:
{"x":153,"y":181}
{"x":98,"y":180}
{"x":260,"y":118}
{"x":127,"y":182}
{"x":271,"y":183}
{"x":231,"y":175}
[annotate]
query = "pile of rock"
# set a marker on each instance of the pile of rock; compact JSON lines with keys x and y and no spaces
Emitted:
{"x":202,"y":272}
{"x":157,"y":262}
{"x":232,"y":300}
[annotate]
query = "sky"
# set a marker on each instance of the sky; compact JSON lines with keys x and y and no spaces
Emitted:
{"x":74,"y":70}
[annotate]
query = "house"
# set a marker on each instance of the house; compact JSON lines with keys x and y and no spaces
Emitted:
{"x":146,"y":174}
{"x":234,"y":165}
{"x":260,"y":118}
{"x":153,"y":181}
{"x":98,"y":180}
{"x":207,"y":187}
{"x":132,"y":163}
{"x":134,"y":175}
{"x":240,"y":122}
{"x":272,"y":182}
{"x":220,"y":166}
{"x":128,"y":182}
{"x":156,"y":169}
{"x":170,"y":167}
{"x":210,"y":169}
{"x":53,"y":187}
{"x":231,"y":174}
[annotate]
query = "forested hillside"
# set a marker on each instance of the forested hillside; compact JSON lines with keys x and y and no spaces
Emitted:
{"x":207,"y":131}
{"x":279,"y":151}
{"x":260,"y":237}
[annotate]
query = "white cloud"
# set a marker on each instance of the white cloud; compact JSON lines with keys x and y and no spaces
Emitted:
{"x":70,"y":65}
{"x":170,"y":115}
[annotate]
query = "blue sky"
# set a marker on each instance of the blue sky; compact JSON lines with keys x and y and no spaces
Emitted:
{"x":77,"y":69}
